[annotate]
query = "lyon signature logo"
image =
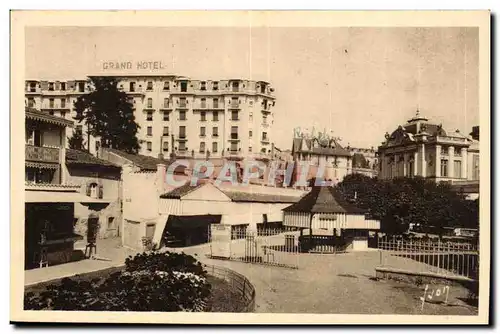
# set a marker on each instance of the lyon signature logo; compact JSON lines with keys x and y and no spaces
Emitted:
{"x":437,"y":295}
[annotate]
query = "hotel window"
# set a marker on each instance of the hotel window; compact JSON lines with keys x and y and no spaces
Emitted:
{"x":150,"y":102}
{"x":182,"y":115}
{"x":458,"y":153}
{"x":203,"y":103}
{"x":132,"y":87}
{"x":234,"y":102}
{"x":166,"y":103}
{"x":63,"y":103}
{"x":264,"y":104}
{"x":182,"y":102}
{"x":444,"y":167}
{"x":79,"y":129}
{"x":150,"y":85}
{"x":203,"y":85}
{"x":234,"y":132}
{"x":149,"y":116}
{"x":214,"y":147}
{"x":166,"y":116}
{"x":234,"y":115}
{"x":184,"y":86}
{"x":444,"y":150}
{"x":32,"y":87}
{"x":215,"y":85}
{"x":31,"y":102}
{"x":81,"y":86}
{"x":250,"y":133}
{"x":216,"y":103}
{"x":250,"y":149}
{"x":51,"y":103}
{"x":215,"y":131}
{"x":165,"y":146}
{"x":234,"y":146}
{"x":215,"y":116}
{"x":264,"y":135}
{"x":63,"y":86}
{"x":457,"y":169}
{"x":410,"y":169}
{"x":150,"y":130}
{"x":202,"y":131}
{"x":51,"y":86}
{"x":235,"y":86}
{"x":182,"y":132}
{"x":202,"y":147}
{"x":149,"y":146}
{"x":63,"y":114}
{"x":182,"y":146}
{"x":165,"y":130}
{"x":250,"y":116}
{"x":264,"y":119}
{"x":475,"y":167}
{"x":166,"y":85}
{"x":262,"y":88}
{"x":203,"y":116}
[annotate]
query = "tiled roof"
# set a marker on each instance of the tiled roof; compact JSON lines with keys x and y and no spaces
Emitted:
{"x":38,"y":115}
{"x":306,"y":145}
{"x":237,"y":196}
{"x":323,"y":200}
{"x":181,"y":191}
{"x":142,"y":161}
{"x":76,"y":157}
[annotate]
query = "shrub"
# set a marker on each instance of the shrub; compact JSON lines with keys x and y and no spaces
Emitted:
{"x":150,"y":282}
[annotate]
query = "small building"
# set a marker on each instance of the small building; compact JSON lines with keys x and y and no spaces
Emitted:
{"x":50,"y":199}
{"x":324,"y":211}
{"x":315,"y":153}
{"x":98,"y":179}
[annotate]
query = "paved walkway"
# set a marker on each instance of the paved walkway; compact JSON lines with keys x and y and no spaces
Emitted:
{"x":341,"y":283}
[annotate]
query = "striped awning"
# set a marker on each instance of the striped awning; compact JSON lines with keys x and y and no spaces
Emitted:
{"x":41,"y":165}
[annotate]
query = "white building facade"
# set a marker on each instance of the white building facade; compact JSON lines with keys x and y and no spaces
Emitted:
{"x":192,"y":118}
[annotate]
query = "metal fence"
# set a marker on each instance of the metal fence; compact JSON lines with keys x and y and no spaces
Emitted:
{"x":275,"y":247}
{"x":447,"y":257}
{"x":239,"y":283}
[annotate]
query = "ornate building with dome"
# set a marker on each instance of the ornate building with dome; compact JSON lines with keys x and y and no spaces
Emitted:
{"x":423,"y":148}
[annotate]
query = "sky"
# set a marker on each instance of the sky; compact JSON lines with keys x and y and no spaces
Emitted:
{"x":358,"y":83}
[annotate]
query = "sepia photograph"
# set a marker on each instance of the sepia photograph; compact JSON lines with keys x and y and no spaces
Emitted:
{"x":248,"y":167}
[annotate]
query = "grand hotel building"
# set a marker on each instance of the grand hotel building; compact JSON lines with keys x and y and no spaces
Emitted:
{"x":190,"y":118}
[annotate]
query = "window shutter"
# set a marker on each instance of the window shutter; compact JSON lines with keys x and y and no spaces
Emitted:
{"x":100,"y":191}
{"x":44,"y":85}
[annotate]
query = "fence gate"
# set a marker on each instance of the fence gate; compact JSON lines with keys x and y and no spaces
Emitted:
{"x":264,"y":246}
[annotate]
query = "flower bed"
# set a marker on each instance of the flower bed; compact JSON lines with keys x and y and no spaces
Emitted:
{"x":165,"y":282}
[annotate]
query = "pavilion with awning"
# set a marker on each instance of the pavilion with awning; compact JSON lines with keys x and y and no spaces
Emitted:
{"x":324,"y":209}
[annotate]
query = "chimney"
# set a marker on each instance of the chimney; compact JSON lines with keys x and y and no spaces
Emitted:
{"x":161,"y":178}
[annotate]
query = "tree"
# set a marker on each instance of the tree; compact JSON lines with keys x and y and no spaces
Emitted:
{"x":109,"y":115}
{"x":76,"y":141}
{"x":401,"y":201}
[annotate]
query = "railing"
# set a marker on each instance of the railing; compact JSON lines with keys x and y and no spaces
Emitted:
{"x":454,"y":257}
{"x":43,"y":154}
{"x":239,"y":283}
{"x":269,"y":246}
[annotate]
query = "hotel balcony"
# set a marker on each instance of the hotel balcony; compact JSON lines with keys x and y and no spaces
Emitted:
{"x":33,"y":91}
{"x":265,"y":140}
{"x":266,"y":110}
{"x":55,"y":107}
{"x":42,"y":154}
{"x":234,"y":106}
{"x":136,"y":91}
